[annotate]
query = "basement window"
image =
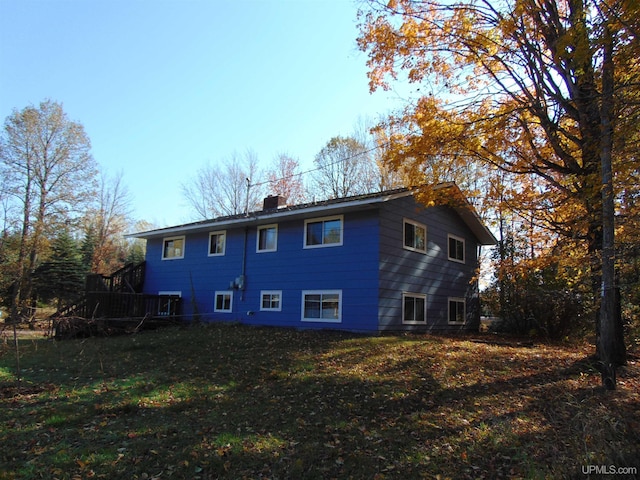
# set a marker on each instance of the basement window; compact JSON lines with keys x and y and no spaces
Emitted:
{"x":322,"y":306}
{"x":414,"y":308}
{"x":271,"y":300}
{"x":457,"y":314}
{"x":223,"y":302}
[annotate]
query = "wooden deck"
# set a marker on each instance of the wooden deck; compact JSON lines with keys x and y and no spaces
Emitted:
{"x":114,"y":304}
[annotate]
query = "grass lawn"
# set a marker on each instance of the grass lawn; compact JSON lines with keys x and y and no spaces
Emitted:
{"x":230,"y":401}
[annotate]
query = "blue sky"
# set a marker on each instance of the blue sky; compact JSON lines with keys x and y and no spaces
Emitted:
{"x":163,"y":87}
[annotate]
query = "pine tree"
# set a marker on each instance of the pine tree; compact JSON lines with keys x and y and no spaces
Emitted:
{"x":62,"y":277}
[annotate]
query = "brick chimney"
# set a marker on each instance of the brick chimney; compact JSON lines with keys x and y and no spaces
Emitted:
{"x":273,"y":202}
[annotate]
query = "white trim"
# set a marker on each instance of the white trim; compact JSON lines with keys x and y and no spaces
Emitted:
{"x":404,"y":230}
{"x":464,"y":248}
{"x":224,"y":247}
{"x":168,"y":239}
{"x":215,"y":301}
{"x":464,"y":310}
{"x":414,"y":295}
{"x":305,"y":293}
{"x":324,"y":219}
{"x":265,"y":227}
{"x":271,"y":292}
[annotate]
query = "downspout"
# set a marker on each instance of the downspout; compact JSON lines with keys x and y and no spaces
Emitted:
{"x":244,"y":264}
{"x":244,"y":248}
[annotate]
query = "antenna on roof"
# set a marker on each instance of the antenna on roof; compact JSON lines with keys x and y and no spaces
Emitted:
{"x":246,"y":205}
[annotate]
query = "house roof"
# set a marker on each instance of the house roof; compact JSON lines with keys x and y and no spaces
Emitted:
{"x":325,"y":207}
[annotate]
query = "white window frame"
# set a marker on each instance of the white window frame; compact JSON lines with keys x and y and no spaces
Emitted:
{"x":162,"y":312}
{"x":413,"y":295}
{"x":271,"y":293}
{"x":305,"y":293}
{"x":224,"y":246}
{"x":170,"y":239}
{"x":406,"y":221}
{"x":324,"y":219}
{"x":457,"y":300}
{"x":457,"y":239}
{"x":266,"y":227}
{"x":215,"y":301}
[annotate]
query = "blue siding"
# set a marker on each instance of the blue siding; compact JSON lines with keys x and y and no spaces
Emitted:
{"x":371,"y":269}
{"x":292,"y":269}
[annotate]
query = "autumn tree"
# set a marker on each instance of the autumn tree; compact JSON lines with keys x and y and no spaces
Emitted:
{"x":285,"y":179}
{"x":529,"y":86}
{"x":228,"y":188}
{"x":49,"y":173}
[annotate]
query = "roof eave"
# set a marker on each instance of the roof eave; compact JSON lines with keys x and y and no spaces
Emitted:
{"x":265,"y":216}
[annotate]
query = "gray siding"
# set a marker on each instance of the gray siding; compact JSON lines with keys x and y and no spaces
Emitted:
{"x":432,"y":273}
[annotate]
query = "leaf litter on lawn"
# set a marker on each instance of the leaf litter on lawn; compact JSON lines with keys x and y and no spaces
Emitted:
{"x":235,"y":401}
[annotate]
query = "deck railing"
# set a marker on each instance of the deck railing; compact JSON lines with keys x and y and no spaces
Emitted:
{"x":129,"y":305}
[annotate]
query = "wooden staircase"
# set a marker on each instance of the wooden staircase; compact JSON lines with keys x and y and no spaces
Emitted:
{"x":115,"y":303}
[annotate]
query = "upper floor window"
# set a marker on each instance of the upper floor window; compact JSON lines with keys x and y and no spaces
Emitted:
{"x":415,"y":236}
{"x":267,"y":238}
{"x":456,"y":249}
{"x":323,"y":232}
{"x":173,"y":248}
{"x":457,"y":312}
{"x":217,"y":243}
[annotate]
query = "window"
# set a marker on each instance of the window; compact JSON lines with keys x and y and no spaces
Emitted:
{"x":415,"y":236}
{"x":224,"y":302}
{"x":456,"y":249}
{"x":267,"y":238}
{"x":271,"y":300}
{"x":168,"y":305}
{"x":323,"y":232}
{"x":414,"y":308}
{"x":457,"y":310}
{"x":322,"y":306}
{"x":173,"y":248}
{"x":217,"y":243}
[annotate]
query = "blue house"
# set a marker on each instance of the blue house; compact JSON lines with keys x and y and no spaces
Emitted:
{"x":368,"y":263}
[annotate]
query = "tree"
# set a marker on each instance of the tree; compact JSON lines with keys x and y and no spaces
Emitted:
{"x":285,"y":179}
{"x":343,"y":168}
{"x":532,"y":87}
{"x":62,"y":276}
{"x":49,"y":172}
{"x":226,"y":189}
{"x":105,"y":225}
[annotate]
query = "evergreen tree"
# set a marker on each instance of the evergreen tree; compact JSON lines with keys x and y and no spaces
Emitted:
{"x":63,"y":276}
{"x":88,"y":247}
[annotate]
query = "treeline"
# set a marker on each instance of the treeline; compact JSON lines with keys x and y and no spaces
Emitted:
{"x":545,"y":95}
{"x":61,"y":218}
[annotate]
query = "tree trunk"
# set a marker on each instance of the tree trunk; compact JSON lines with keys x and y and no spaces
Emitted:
{"x":612,"y":351}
